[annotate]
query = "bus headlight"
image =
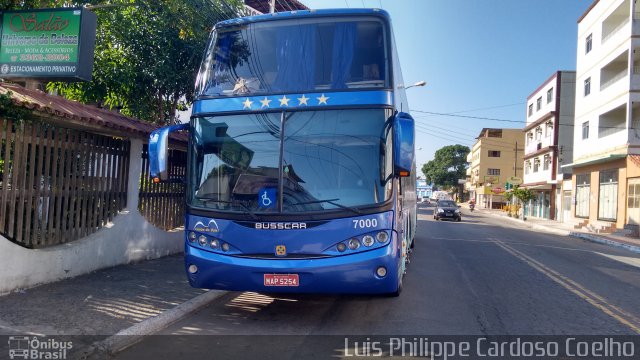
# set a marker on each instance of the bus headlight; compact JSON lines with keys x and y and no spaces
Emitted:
{"x":354,"y":244}
{"x":202,"y":240}
{"x":193,"y":269}
{"x":192,"y":236}
{"x":215,"y":244}
{"x":225,"y":247}
{"x":367,"y":240}
{"x":342,"y":247}
{"x":382,"y":237}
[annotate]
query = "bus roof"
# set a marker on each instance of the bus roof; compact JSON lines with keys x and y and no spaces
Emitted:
{"x":303,"y":14}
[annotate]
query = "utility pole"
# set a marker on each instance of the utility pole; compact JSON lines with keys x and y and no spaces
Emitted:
{"x":272,"y":6}
{"x":515,"y":162}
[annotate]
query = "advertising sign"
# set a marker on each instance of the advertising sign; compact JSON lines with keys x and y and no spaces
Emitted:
{"x":491,"y":179}
{"x":514,"y":180}
{"x":48,"y":44}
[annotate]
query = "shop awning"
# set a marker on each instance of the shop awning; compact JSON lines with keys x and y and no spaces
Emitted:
{"x":606,"y":159}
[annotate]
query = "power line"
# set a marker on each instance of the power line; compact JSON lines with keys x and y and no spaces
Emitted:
{"x":484,"y":108}
{"x":469,"y":116}
{"x":515,"y":121}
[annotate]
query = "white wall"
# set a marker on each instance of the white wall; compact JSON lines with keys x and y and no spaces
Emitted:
{"x":589,"y":65}
{"x":129,"y":238}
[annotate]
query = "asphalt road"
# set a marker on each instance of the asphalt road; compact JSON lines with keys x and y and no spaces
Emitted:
{"x":481,"y":276}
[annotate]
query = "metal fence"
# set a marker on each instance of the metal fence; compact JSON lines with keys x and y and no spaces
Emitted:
{"x":162,"y":204}
{"x":58,"y":184}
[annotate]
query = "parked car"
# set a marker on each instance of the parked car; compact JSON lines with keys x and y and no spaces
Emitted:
{"x":447,"y":209}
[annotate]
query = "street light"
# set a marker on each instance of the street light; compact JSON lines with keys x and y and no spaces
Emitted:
{"x":419,"y":83}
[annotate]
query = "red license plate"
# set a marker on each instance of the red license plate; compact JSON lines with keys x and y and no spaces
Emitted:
{"x":281,"y":280}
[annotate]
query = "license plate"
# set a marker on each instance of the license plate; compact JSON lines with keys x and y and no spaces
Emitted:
{"x":281,"y":280}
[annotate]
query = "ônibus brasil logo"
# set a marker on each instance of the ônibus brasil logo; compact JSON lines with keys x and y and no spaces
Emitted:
{"x":25,"y":347}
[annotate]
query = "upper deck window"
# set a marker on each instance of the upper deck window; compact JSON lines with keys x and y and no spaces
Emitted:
{"x":295,"y":56}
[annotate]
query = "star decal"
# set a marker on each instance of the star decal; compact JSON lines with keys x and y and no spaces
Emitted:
{"x":302,"y":100}
{"x":322,"y":100}
{"x":247,"y":104}
{"x":265,"y":102}
{"x":284,"y":101}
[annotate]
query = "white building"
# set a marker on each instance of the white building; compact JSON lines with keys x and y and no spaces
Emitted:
{"x":549,"y":144}
{"x":607,"y":111}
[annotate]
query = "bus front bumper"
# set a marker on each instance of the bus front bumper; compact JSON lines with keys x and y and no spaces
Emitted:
{"x":348,"y":274}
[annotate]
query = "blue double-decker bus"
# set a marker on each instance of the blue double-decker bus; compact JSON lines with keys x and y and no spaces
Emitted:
{"x":301,"y":170}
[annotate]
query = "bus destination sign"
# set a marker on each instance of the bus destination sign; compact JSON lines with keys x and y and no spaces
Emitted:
{"x":48,"y":44}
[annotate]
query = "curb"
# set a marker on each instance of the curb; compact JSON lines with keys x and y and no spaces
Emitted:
{"x":127,"y":337}
{"x":584,"y":236}
{"x":533,"y":226}
{"x":601,"y":240}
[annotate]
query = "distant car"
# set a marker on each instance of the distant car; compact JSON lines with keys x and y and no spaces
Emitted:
{"x":447,"y":209}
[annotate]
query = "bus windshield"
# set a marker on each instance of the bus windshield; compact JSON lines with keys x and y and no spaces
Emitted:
{"x":320,"y":161}
{"x":295,"y":56}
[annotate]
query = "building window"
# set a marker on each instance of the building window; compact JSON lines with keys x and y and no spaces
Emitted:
{"x":608,"y":195}
{"x":633,"y":201}
{"x":529,"y":137}
{"x":494,"y":153}
{"x":530,"y":109}
{"x":536,"y":165}
{"x":549,"y":95}
{"x":547,"y":161}
{"x":538,"y":133}
{"x":587,"y":86}
{"x":548,"y":129}
{"x":588,"y":44}
{"x":527,"y":166}
{"x":585,"y":130}
{"x":583,"y":186}
{"x":539,"y":103}
{"x":493,"y":171}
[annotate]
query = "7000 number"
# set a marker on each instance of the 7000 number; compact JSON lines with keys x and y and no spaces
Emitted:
{"x":365,"y":223}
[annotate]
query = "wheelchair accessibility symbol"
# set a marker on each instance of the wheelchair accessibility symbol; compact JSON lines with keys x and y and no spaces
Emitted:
{"x":267,"y":197}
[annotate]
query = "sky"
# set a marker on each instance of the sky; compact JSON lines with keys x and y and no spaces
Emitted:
{"x":480,"y":58}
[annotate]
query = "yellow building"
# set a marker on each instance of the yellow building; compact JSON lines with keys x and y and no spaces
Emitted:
{"x":495,"y":157}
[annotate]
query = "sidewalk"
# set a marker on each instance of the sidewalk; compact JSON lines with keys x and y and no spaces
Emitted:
{"x":555,"y":227}
{"x":135,"y":300}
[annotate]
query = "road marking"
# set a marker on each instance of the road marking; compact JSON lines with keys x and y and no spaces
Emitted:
{"x":633,"y":261}
{"x":592,"y":298}
{"x":623,"y":259}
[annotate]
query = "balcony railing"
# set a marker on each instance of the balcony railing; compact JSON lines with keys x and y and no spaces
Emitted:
{"x":617,"y":77}
{"x":615,"y":30}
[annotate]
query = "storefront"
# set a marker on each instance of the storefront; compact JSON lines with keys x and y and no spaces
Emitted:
{"x":543,"y":203}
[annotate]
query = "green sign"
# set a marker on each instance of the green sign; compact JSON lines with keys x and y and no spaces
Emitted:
{"x":47,"y":43}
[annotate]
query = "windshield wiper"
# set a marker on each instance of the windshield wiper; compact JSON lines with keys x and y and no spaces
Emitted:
{"x":244,"y":207}
{"x":330,"y":201}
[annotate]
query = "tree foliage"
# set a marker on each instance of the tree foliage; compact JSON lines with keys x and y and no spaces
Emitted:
{"x":147,"y":53}
{"x":11,"y":111}
{"x":448,"y":165}
{"x":523,"y":194}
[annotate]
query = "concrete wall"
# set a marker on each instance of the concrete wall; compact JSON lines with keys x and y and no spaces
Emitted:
{"x":129,"y":238}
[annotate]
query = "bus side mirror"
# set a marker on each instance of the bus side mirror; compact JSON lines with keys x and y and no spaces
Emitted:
{"x":158,"y":150}
{"x":403,"y":144}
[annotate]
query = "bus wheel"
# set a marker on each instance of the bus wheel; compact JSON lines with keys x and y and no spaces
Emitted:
{"x":402,"y":270}
{"x":398,"y":290}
